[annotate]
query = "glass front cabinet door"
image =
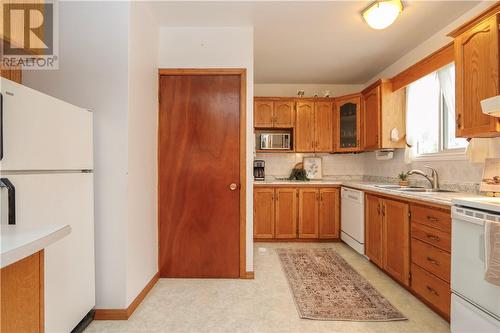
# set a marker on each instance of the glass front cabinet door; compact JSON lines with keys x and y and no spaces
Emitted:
{"x":348,"y":123}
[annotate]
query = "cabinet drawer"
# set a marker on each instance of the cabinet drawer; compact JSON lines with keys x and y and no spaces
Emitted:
{"x":431,"y":258}
{"x":433,"y":236}
{"x":436,"y":218}
{"x":432,"y":289}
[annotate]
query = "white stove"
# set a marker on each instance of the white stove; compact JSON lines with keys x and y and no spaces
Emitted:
{"x":475,"y":303}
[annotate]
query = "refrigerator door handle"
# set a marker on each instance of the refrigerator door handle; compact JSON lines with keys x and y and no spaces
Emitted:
{"x":5,"y":182}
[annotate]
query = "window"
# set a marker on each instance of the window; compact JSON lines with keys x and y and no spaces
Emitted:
{"x":431,"y":117}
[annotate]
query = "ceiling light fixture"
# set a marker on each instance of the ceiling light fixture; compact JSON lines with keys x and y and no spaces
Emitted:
{"x":382,"y":13}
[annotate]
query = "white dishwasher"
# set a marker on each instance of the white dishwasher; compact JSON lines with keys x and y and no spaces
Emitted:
{"x":353,"y":219}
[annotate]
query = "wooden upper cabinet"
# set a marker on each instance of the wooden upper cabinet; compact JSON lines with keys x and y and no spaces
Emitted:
{"x":263,"y":211}
{"x":263,"y":113}
{"x":329,"y":213}
{"x":347,"y":116}
{"x":12,"y":74}
{"x":373,"y":229}
{"x":284,"y":116}
{"x":396,"y":234}
{"x":371,"y":119}
{"x":304,"y":127}
{"x":308,"y":212}
{"x":273,"y":113}
{"x":476,"y":47}
{"x":286,"y":213}
{"x":323,"y":127}
{"x":383,"y":113}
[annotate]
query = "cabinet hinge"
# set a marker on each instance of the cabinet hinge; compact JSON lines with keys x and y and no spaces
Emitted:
{"x":409,"y":277}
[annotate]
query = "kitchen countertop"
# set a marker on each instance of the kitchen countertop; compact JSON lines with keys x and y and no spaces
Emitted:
{"x":439,"y":198}
{"x":18,"y":242}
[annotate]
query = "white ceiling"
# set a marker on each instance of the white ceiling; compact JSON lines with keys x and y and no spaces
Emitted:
{"x":317,"y":42}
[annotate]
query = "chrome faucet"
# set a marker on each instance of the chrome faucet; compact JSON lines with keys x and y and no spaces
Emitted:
{"x":433,"y":178}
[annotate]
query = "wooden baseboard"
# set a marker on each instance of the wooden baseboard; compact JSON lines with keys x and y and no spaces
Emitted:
{"x":249,"y":276}
{"x":124,"y":314}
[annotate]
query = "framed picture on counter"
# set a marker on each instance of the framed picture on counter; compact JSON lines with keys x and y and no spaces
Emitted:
{"x":491,"y":176}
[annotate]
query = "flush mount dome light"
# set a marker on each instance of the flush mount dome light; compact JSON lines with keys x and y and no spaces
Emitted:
{"x":381,"y":14}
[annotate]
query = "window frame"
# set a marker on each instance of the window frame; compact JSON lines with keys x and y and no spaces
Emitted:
{"x":443,"y":153}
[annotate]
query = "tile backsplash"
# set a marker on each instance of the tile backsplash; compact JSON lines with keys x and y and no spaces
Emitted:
{"x":458,"y":175}
{"x":280,"y":165}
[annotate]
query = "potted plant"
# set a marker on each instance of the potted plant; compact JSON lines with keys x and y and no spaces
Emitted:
{"x":403,"y":179}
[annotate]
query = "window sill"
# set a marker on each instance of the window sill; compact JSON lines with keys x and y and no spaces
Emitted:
{"x":443,"y":156}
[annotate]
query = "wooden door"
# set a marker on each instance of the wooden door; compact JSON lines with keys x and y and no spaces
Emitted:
{"x":304,"y":127}
{"x":286,"y":213}
{"x":476,"y":67}
{"x":308,"y":212}
{"x":371,"y":118}
{"x":22,"y":301}
{"x":199,"y":159}
{"x":284,"y":115}
{"x":263,"y":212}
{"x":323,"y":127}
{"x":396,"y":240}
{"x":373,"y":229}
{"x":263,"y":113}
{"x":329,"y":213}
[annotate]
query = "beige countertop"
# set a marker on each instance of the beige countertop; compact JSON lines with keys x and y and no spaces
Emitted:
{"x":18,"y":242}
{"x":439,"y":198}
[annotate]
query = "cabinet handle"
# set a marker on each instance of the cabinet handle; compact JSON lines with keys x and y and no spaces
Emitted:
{"x":432,"y":291}
{"x":383,"y":209}
{"x":321,"y":196}
{"x":317,"y":196}
{"x":434,"y":238}
{"x":432,"y":261}
{"x":378,"y":208}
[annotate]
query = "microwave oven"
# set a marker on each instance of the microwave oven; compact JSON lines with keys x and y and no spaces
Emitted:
{"x":275,"y":141}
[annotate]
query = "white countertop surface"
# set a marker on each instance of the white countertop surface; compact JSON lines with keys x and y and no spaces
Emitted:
{"x":18,"y":242}
{"x":440,"y":198}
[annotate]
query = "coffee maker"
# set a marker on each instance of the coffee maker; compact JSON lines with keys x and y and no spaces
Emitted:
{"x":258,"y":170}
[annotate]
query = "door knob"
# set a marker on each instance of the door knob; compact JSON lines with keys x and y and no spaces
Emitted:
{"x":233,"y":186}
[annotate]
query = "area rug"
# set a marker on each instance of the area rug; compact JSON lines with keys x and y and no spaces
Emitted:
{"x":326,"y":287}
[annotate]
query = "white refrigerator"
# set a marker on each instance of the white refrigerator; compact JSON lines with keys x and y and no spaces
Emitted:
{"x":46,"y":161}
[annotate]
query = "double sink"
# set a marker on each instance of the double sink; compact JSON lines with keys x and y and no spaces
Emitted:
{"x":412,"y":189}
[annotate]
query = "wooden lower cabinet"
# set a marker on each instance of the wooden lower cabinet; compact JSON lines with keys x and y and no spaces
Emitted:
{"x":417,"y":256}
{"x":263,"y":212}
{"x":388,"y":234}
{"x":22,"y":301}
{"x":396,"y":240}
{"x":431,"y":256}
{"x":287,"y":213}
{"x":308,"y":213}
{"x":329,"y":212}
{"x":373,"y":229}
